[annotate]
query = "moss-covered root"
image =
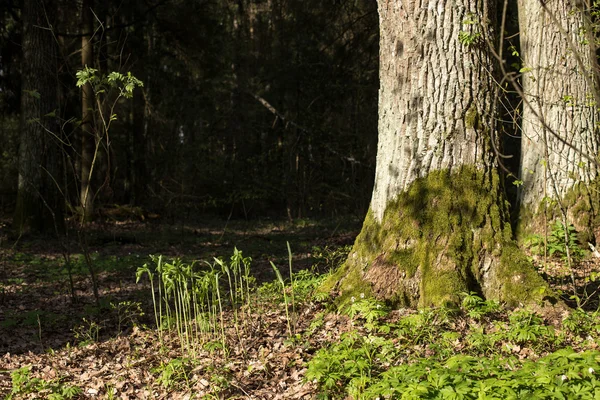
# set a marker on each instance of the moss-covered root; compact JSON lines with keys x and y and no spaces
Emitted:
{"x":514,"y":280}
{"x":445,"y":235}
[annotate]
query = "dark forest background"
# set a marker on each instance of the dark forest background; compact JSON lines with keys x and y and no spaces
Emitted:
{"x":249,"y":108}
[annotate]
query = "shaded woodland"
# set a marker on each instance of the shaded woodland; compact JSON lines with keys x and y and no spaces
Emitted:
{"x":248,"y":108}
{"x":183,"y":186}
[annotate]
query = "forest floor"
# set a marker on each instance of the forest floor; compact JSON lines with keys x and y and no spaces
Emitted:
{"x":282,"y":341}
{"x":112,"y":344}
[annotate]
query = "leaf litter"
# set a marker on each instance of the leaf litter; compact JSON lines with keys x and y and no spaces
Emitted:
{"x":88,"y":345}
{"x":113,"y":350}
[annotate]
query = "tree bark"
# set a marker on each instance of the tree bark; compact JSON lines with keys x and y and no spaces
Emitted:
{"x":88,"y":137}
{"x":39,"y":201}
{"x":560,"y":117}
{"x":438,"y":221}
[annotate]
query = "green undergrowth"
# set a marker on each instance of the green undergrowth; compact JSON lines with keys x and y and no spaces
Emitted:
{"x":559,"y":242}
{"x":564,"y":374}
{"x":54,"y":268}
{"x":210,"y":315}
{"x":476,"y":351}
{"x":24,"y":384}
{"x":212,"y":309}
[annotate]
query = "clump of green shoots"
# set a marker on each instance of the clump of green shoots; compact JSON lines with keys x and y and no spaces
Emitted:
{"x":187,"y":297}
{"x":239,"y":280}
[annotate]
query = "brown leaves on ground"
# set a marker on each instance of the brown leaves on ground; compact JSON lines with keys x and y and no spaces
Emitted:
{"x":109,"y":353}
{"x":266,"y":364}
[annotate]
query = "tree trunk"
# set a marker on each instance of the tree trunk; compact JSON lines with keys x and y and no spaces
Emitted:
{"x":39,"y":200}
{"x":88,"y":139}
{"x":103,"y":168}
{"x":142,"y":172}
{"x":438,"y":222}
{"x":560,"y":117}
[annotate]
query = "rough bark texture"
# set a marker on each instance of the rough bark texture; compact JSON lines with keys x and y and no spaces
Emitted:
{"x":560,"y":117}
{"x":435,"y":93}
{"x":39,"y":201}
{"x":437,"y":225}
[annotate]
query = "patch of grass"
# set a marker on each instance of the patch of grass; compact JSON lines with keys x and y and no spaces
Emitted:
{"x":329,"y":258}
{"x":304,"y":284}
{"x":191,"y":299}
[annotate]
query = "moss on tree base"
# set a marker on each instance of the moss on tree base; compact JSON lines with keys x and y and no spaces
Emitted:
{"x":581,"y":204}
{"x":445,"y":235}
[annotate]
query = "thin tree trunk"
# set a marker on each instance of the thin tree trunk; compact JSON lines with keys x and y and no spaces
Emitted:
{"x":137,"y":149}
{"x":103,"y":168}
{"x":88,"y":139}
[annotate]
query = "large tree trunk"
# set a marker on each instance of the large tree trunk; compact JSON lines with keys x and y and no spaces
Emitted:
{"x":88,"y":137}
{"x":39,"y":200}
{"x":560,"y":117}
{"x":438,"y":224}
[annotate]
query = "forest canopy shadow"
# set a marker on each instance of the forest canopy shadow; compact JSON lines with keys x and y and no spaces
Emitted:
{"x":36,"y":308}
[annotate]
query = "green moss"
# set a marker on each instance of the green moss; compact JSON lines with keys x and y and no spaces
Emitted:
{"x":581,"y":202}
{"x":353,"y":286}
{"x":330,"y":283}
{"x":517,"y":280}
{"x":347,"y":279}
{"x":441,"y":288}
{"x":472,"y":119}
{"x":438,"y":234}
{"x":405,"y":259}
